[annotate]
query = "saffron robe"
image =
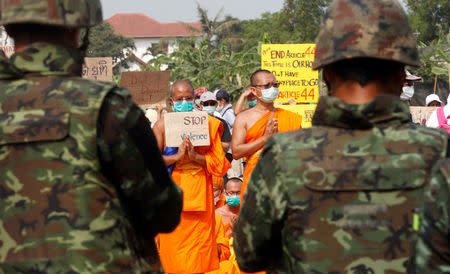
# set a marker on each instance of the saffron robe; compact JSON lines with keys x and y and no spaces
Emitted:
{"x":192,"y":247}
{"x":287,"y":121}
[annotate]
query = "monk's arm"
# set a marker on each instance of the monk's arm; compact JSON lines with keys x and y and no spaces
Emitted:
{"x":238,"y":146}
{"x":239,"y":107}
{"x":159,"y":131}
{"x":198,"y":158}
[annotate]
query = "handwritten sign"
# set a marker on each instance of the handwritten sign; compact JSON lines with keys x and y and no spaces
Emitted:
{"x":193,"y":124}
{"x":148,"y":88}
{"x":8,"y":50}
{"x":306,"y":111}
{"x":98,"y":69}
{"x":421,"y":114}
{"x":292,"y":66}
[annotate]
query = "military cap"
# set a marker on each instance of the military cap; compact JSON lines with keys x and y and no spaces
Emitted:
{"x":365,"y":29}
{"x":64,"y":13}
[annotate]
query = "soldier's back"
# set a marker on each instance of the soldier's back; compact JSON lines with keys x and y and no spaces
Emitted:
{"x":352,"y":196}
{"x":58,"y":210}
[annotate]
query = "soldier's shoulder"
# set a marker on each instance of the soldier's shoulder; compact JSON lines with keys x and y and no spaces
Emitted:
{"x":304,"y":136}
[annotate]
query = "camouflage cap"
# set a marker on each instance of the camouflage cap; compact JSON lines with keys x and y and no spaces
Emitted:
{"x":65,"y":13}
{"x":365,"y":28}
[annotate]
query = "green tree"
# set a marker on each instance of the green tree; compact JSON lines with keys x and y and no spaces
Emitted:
{"x":429,"y":19}
{"x":104,"y":43}
{"x":298,"y":22}
{"x":213,"y":29}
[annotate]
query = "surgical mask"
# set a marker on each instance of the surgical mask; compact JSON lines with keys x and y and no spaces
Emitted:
{"x":183,"y":106}
{"x":252,"y":103}
{"x":269,"y":95}
{"x":407,"y":93}
{"x":209,"y":109}
{"x":234,"y":201}
{"x":219,"y":108}
{"x":198,"y":101}
{"x":216,"y":200}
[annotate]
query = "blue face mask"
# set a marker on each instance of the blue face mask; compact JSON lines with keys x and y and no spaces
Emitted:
{"x":269,"y":95}
{"x":252,"y":103}
{"x":183,"y":106}
{"x":234,"y":201}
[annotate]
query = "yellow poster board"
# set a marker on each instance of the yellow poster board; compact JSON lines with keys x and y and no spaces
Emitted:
{"x":292,"y":66}
{"x":306,"y":111}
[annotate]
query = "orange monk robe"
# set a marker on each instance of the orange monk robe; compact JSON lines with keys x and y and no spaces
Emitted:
{"x":287,"y":121}
{"x":192,"y":247}
{"x":222,"y":239}
{"x":226,"y":266}
{"x":218,"y":183}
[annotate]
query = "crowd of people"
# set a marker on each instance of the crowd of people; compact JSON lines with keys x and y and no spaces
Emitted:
{"x":87,"y":185}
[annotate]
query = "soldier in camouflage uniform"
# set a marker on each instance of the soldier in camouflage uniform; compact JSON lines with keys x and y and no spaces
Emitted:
{"x":83,"y":188}
{"x":344,"y":196}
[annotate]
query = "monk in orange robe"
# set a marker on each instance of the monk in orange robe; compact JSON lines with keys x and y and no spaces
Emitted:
{"x":255,"y":126}
{"x":219,"y":198}
{"x":192,"y":246}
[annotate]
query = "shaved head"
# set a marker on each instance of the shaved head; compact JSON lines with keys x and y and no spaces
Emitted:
{"x":256,"y":75}
{"x":181,"y":86}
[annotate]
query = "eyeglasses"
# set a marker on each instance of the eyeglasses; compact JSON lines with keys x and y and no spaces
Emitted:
{"x":209,"y":103}
{"x":269,"y":85}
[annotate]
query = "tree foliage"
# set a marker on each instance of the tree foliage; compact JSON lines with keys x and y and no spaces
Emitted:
{"x":429,"y":19}
{"x":207,"y":65}
{"x":104,"y":43}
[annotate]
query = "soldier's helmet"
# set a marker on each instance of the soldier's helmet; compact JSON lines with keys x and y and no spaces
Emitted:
{"x":63,"y":13}
{"x":365,"y":29}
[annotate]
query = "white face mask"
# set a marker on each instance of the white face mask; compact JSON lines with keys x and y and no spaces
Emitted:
{"x":216,"y":200}
{"x":407,"y":93}
{"x":209,"y":109}
{"x":269,"y":95}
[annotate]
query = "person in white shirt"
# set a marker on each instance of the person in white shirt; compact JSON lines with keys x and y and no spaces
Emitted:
{"x":433,"y":120}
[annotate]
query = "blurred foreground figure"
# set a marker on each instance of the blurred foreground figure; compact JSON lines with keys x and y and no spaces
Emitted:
{"x":83,"y":188}
{"x":345,"y":195}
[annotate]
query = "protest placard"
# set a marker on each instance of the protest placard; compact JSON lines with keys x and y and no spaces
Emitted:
{"x":192,"y":124}
{"x":148,"y":88}
{"x":421,"y":114}
{"x":8,"y":50}
{"x":292,"y":66}
{"x":306,"y":111}
{"x":98,"y":69}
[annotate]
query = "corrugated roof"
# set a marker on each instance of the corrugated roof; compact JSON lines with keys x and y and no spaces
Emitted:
{"x":139,"y":25}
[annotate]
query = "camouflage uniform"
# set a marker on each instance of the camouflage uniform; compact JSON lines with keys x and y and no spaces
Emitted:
{"x":83,"y":187}
{"x":345,"y":195}
{"x":433,"y":254}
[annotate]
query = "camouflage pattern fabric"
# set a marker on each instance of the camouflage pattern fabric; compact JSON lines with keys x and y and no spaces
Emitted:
{"x":76,"y":192}
{"x":365,"y":28}
{"x":339,"y":197}
{"x":433,"y":248}
{"x":67,"y":13}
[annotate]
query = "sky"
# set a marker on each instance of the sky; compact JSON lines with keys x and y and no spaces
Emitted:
{"x":186,"y":10}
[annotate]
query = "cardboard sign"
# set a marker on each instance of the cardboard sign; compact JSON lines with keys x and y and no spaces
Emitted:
{"x":292,"y":66}
{"x":421,"y":114}
{"x":98,"y":69}
{"x":148,"y":88}
{"x":193,"y":124}
{"x":8,"y":50}
{"x":306,"y":111}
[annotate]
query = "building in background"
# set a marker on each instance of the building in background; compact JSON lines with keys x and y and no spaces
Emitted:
{"x":149,"y":33}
